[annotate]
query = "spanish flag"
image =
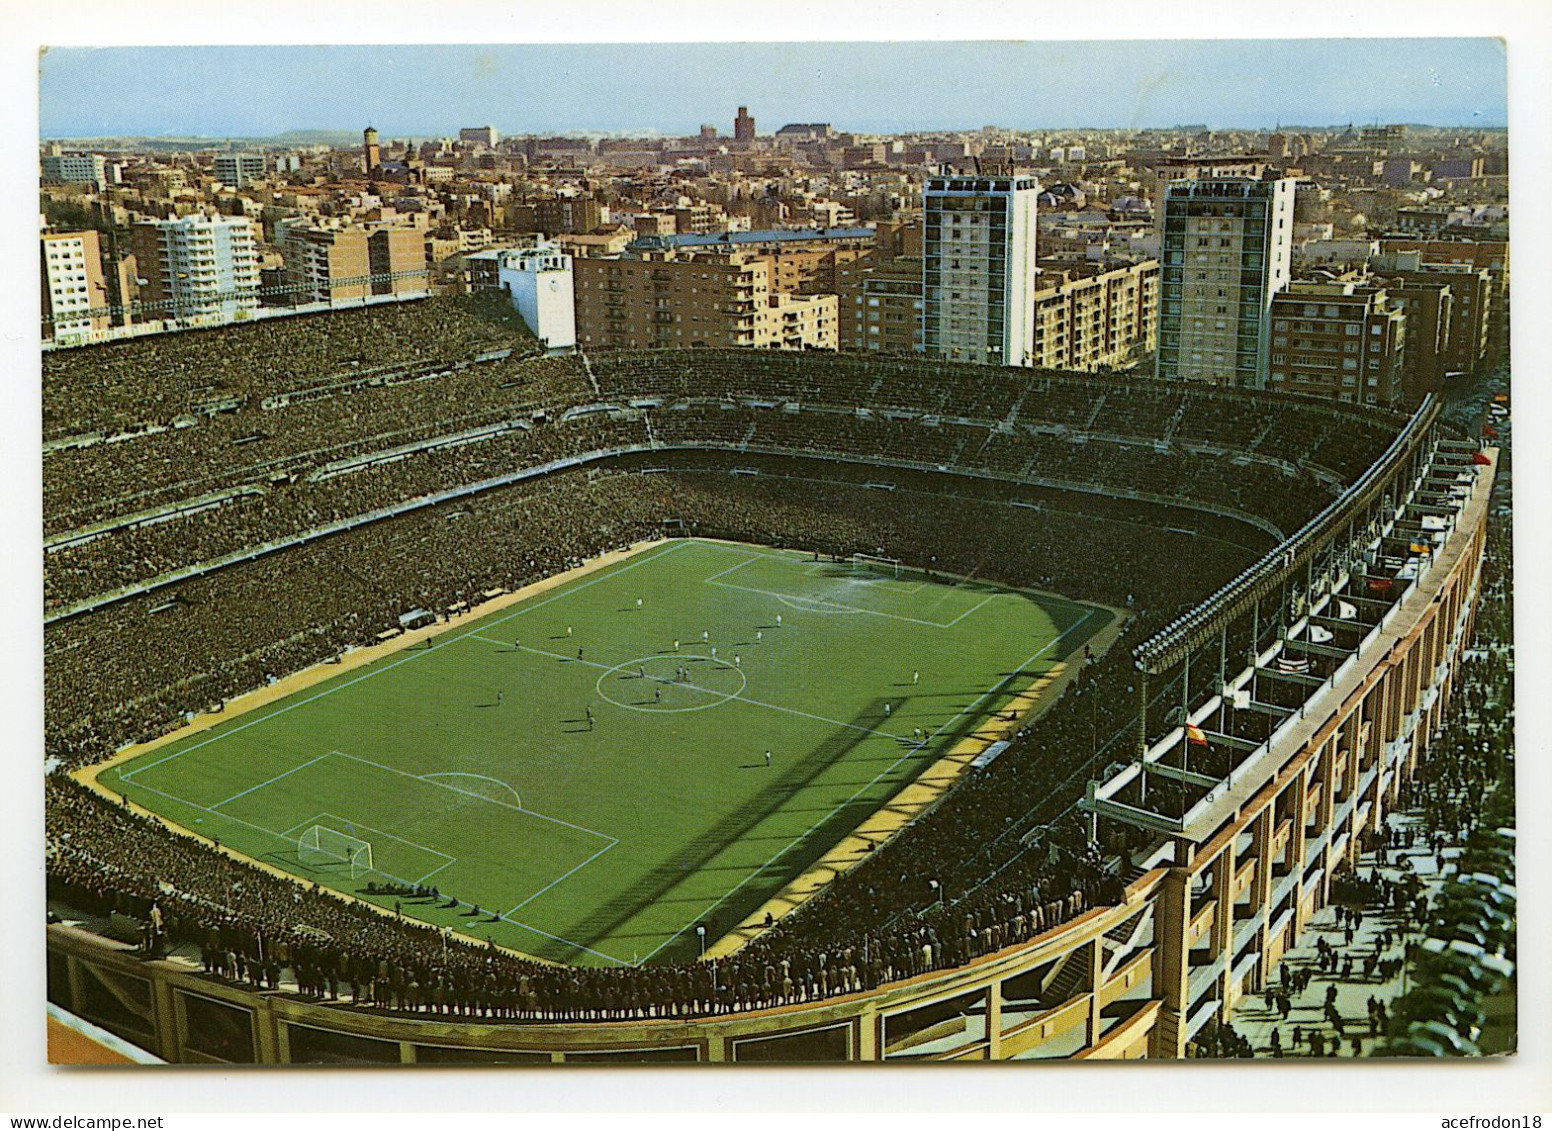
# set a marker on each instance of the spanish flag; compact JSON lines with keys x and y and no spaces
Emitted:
{"x":1419,"y":548}
{"x":1481,"y":458}
{"x":1195,"y":736}
{"x":1500,"y":398}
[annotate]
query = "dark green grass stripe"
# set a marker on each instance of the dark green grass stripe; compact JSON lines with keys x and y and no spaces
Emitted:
{"x":729,"y":830}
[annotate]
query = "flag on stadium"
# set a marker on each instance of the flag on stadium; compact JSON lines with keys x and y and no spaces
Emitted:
{"x":1500,"y":398}
{"x":1195,"y":736}
{"x":1481,"y":458}
{"x":1319,"y":634}
{"x":1346,"y":610}
{"x":1381,"y":584}
{"x":1296,"y":665}
{"x":1489,"y":431}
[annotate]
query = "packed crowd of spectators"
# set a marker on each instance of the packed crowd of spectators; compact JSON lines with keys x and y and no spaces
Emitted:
{"x":1344,"y":440}
{"x":150,"y":381}
{"x":284,"y":441}
{"x":313,"y":451}
{"x":963,"y":880}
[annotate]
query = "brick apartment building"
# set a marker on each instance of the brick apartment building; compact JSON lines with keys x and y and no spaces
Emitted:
{"x":337,"y":262}
{"x":1092,"y":316}
{"x":671,"y":299}
{"x":1344,"y":341}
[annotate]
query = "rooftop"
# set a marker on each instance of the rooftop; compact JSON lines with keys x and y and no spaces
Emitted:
{"x":737,"y":239}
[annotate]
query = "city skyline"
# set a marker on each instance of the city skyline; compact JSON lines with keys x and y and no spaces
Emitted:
{"x":673,"y":89}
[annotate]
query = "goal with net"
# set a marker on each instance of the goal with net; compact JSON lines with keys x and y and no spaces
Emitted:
{"x":872,"y":563}
{"x":321,"y":846}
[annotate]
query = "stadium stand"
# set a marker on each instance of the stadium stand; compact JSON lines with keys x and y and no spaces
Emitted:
{"x":307,"y":421}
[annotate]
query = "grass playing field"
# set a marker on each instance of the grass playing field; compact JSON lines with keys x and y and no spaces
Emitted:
{"x":595,"y":790}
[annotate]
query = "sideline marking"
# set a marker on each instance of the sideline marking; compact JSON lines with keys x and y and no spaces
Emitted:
{"x":553,"y":882}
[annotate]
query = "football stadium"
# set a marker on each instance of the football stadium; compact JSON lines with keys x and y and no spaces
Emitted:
{"x":414,"y":696}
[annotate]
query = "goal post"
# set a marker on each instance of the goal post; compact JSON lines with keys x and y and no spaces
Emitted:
{"x":872,"y":563}
{"x":322,"y":846}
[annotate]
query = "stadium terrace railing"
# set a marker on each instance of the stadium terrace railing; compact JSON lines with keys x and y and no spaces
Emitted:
{"x":179,"y":509}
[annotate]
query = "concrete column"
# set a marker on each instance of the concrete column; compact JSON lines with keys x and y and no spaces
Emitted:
{"x":72,"y":1000}
{"x":717,"y":1049}
{"x":1096,"y":958}
{"x":1262,"y":832}
{"x":994,"y":1021}
{"x":867,"y":1035}
{"x":1354,"y":757}
{"x":266,"y":1036}
{"x":1171,"y":966}
{"x":1221,"y":933}
{"x":1327,"y":784}
{"x":1298,"y":846}
{"x":164,"y":1017}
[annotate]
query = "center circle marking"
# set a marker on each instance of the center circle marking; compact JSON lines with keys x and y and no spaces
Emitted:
{"x":651,"y":708}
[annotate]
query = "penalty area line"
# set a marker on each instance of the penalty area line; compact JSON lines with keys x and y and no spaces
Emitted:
{"x":557,"y":880}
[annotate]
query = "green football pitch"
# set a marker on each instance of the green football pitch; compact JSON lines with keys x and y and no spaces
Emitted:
{"x":589,"y":766}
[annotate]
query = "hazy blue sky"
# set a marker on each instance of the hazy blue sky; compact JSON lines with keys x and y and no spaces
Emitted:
{"x":405,"y":90}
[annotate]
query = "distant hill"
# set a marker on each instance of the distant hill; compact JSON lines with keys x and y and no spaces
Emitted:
{"x":311,"y":137}
{"x":151,"y":142}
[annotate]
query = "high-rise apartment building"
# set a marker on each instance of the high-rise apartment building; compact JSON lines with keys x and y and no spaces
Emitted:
{"x":880,"y":303}
{"x":75,"y":294}
{"x":743,"y":125}
{"x":323,"y":262}
{"x":198,"y":269}
{"x":1429,"y":308}
{"x":1478,"y":254}
{"x":333,"y":261}
{"x":1226,"y":252}
{"x":235,"y":170}
{"x":978,"y":268}
{"x":396,"y":255}
{"x":1344,"y":341}
{"x":558,"y":214}
{"x":1470,"y":343}
{"x":880,"y":291}
{"x":669,"y":301}
{"x":75,"y":168}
